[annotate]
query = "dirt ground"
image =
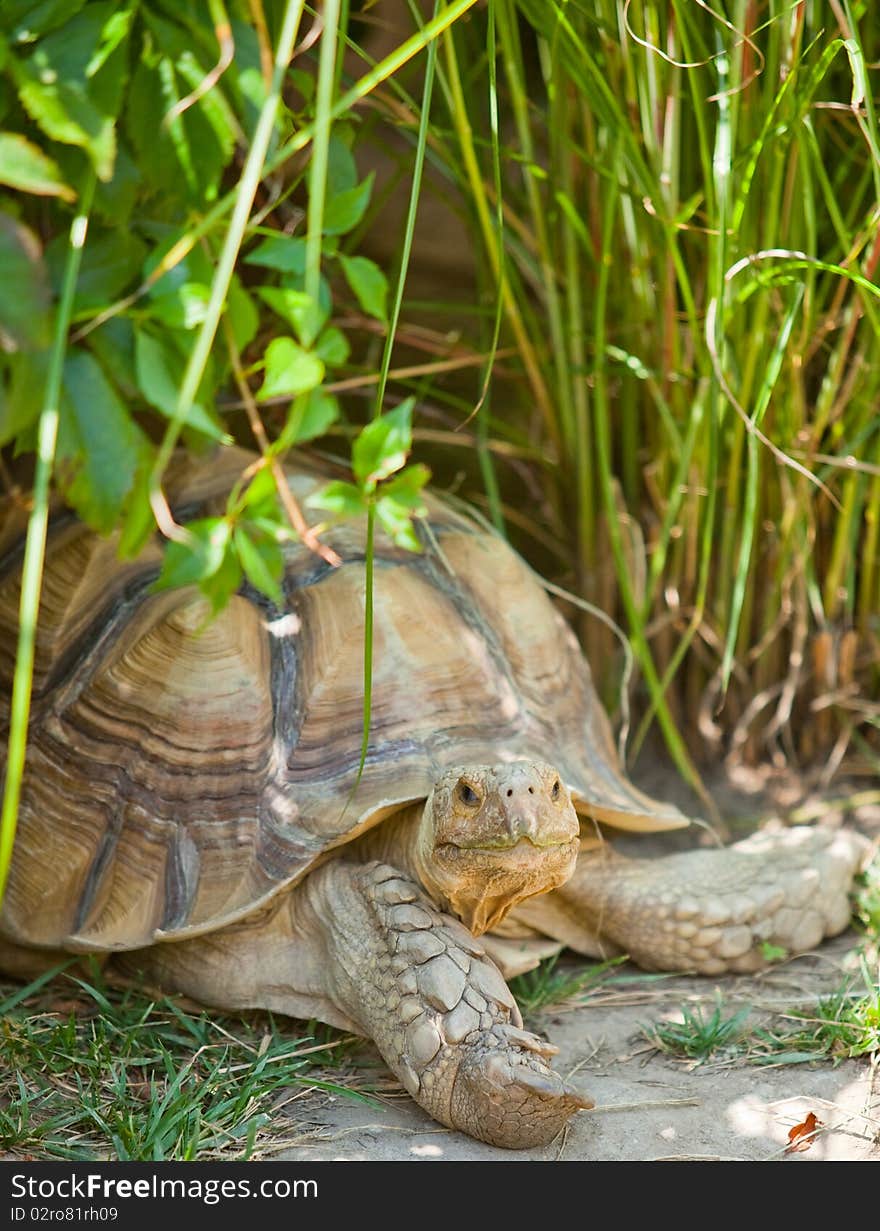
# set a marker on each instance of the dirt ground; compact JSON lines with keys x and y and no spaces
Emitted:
{"x":651,"y":1105}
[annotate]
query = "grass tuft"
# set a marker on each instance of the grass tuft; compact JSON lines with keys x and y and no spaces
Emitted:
{"x":844,"y":1025}
{"x":699,"y":1034}
{"x":547,"y":985}
{"x":91,"y":1071}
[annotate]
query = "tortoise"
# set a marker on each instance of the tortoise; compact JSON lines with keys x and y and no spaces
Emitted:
{"x":192,"y":808}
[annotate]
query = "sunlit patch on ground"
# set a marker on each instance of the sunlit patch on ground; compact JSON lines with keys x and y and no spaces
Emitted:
{"x":847,"y":1126}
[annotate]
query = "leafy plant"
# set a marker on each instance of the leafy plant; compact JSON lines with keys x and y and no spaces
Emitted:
{"x":133,"y":119}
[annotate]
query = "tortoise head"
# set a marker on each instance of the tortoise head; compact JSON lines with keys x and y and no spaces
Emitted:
{"x":492,"y":835}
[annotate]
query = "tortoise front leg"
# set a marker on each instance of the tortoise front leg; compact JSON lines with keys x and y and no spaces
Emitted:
{"x":708,"y":911}
{"x":438,"y":1009}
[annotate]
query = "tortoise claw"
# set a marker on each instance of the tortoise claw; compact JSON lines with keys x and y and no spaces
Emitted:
{"x":508,"y":1096}
{"x":524,"y":1038}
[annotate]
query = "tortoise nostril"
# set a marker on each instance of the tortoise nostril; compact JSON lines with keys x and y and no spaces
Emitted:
{"x":509,"y":793}
{"x":531,"y":790}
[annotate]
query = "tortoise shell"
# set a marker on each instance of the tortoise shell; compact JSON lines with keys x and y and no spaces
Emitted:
{"x":180,"y":775}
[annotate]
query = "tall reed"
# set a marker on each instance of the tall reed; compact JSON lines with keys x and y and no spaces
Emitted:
{"x":686,"y":272}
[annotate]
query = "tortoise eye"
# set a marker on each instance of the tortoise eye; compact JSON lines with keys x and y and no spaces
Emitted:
{"x":467,"y":794}
{"x":554,"y":794}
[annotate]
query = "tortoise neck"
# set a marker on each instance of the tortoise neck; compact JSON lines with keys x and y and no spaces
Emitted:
{"x":395,"y":841}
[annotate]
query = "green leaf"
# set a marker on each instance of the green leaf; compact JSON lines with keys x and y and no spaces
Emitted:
{"x":251,"y":81}
{"x":194,"y":267}
{"x":183,"y":158}
{"x":115,"y":200}
{"x":341,"y":167}
{"x":243,"y":316}
{"x":24,"y":166}
{"x":113,"y":343}
{"x":309,"y":416}
{"x":345,"y":210}
{"x":111,"y":261}
{"x":261,"y":497}
{"x":407,"y":488}
{"x":115,"y":25}
{"x":198,"y":558}
{"x":332,"y":347}
{"x":108,"y":72}
{"x":201,"y":139}
{"x":24,"y":394}
{"x":88,"y":54}
{"x":26,"y":20}
{"x":24,"y":288}
{"x":304,"y":82}
{"x":400,"y":500}
{"x":383,"y":445}
{"x":341,"y":499}
{"x":396,"y":521}
{"x":220,"y":586}
{"x":66,"y":114}
{"x":76,"y":50}
{"x":302,"y":313}
{"x":99,"y":436}
{"x":368,"y":283}
{"x":184,"y":308}
{"x":296,"y":282}
{"x":177,"y":130}
{"x":73,"y":83}
{"x":212,"y":105}
{"x":290,"y":370}
{"x":138,"y":522}
{"x":159,"y":373}
{"x":262,"y":562}
{"x":280,"y":252}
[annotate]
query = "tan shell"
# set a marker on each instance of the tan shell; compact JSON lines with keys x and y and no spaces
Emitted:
{"x":175,"y":781}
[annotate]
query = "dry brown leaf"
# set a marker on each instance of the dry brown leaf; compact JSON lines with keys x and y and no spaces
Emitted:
{"x":801,"y":1131}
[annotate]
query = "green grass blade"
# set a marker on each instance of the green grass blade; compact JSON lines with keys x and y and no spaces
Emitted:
{"x":35,"y":543}
{"x":484,"y":453}
{"x":22,"y":993}
{"x":370,"y":549}
{"x":603,"y":461}
{"x":320,"y":147}
{"x":750,"y":503}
